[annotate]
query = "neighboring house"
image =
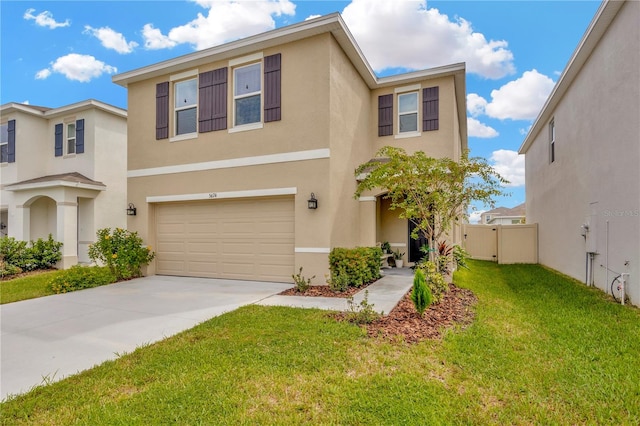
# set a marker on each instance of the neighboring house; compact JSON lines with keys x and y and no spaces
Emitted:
{"x":63,"y":172}
{"x":504,"y":216}
{"x":583,"y":156}
{"x":229,"y":146}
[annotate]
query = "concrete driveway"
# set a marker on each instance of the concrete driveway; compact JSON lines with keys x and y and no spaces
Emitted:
{"x":52,"y":337}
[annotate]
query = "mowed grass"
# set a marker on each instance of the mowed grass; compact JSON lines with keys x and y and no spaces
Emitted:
{"x":27,"y":287}
{"x":544,"y":349}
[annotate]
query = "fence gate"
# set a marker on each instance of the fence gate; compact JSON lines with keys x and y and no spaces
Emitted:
{"x":502,"y":243}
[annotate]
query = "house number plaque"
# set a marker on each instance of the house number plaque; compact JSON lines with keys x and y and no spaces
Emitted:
{"x":213,"y":195}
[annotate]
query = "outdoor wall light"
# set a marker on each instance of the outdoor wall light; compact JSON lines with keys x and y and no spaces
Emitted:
{"x":2,"y":225}
{"x":131,"y":210}
{"x":312,"y":203}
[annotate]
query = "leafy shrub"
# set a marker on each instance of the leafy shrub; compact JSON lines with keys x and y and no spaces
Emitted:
{"x":122,"y":252}
{"x":361,"y":265}
{"x":363,"y":312}
{"x":302,"y":284}
{"x":45,"y":254}
{"x":80,"y":277}
{"x":7,"y":269}
{"x":445,"y":257}
{"x":421,"y":295}
{"x":339,"y":282}
{"x":435,"y":280}
{"x":14,"y":252}
{"x":460,"y":257}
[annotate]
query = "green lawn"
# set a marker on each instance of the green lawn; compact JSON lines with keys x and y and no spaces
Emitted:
{"x":27,"y":287}
{"x":544,"y":349}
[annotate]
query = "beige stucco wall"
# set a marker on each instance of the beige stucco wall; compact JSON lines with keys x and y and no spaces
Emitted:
{"x":595,"y":178}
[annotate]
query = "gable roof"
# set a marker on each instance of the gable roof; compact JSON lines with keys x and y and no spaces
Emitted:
{"x":45,"y":112}
{"x":518,"y":210}
{"x":332,"y":23}
{"x":71,"y":179}
{"x":598,"y":26}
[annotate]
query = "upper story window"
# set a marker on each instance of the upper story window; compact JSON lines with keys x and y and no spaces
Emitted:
{"x":8,"y":142}
{"x":4,"y":142}
{"x":247,"y":94}
{"x":552,"y":141}
{"x":185,"y":104}
{"x":408,"y":112}
{"x":71,"y":138}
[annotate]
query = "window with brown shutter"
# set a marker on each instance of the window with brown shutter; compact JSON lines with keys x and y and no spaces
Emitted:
{"x":162,"y":110}
{"x":58,"y":140}
{"x":385,"y":115}
{"x":80,"y":136}
{"x":11,"y":143}
{"x":430,"y":108}
{"x":272,"y":88}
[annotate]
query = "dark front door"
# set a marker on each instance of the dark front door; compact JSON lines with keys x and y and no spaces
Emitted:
{"x":414,"y":245}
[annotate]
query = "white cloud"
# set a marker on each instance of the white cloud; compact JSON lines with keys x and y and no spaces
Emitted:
{"x":479,"y":130}
{"x":509,"y":165}
{"x":520,"y":99}
{"x":77,"y":67}
{"x":226,"y":20}
{"x":474,"y":216}
{"x":310,"y":17}
{"x":476,"y":104}
{"x":154,"y":39}
{"x":43,"y":74}
{"x":111,"y":39}
{"x":45,"y":19}
{"x":416,"y":37}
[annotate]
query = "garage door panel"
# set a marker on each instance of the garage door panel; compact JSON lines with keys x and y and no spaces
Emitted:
{"x":235,"y":239}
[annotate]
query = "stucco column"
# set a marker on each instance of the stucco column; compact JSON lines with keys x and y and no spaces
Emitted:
{"x":368,"y":228}
{"x":67,"y":232}
{"x":20,"y":221}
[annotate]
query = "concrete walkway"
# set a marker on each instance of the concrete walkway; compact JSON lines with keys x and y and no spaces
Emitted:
{"x":46,"y":339}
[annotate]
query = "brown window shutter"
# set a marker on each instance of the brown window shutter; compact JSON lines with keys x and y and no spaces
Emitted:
{"x":58,"y":140}
{"x":162,"y":110}
{"x":272,"y":88}
{"x":385,"y":115}
{"x":212,"y":94}
{"x":430,"y":108}
{"x":80,"y":136}
{"x":11,"y":145}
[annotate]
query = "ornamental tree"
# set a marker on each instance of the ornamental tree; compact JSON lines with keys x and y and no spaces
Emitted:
{"x":433,"y":193}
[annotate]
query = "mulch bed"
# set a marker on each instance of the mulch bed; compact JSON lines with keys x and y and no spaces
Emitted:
{"x":403,"y":323}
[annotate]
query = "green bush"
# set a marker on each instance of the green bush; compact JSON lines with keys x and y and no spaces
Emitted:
{"x":434,"y":279}
{"x":460,"y":257}
{"x":302,"y":283}
{"x":7,"y":269}
{"x":80,"y":277}
{"x":121,"y":251}
{"x":45,"y":254}
{"x":363,"y":312}
{"x":339,"y":281}
{"x":360,"y":265}
{"x":14,"y":252}
{"x":421,"y":295}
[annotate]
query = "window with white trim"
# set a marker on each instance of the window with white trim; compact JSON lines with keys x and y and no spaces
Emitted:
{"x":71,"y":138}
{"x":4,"y":143}
{"x":186,"y":106}
{"x":247,"y":94}
{"x":408,"y":112}
{"x":552,"y":141}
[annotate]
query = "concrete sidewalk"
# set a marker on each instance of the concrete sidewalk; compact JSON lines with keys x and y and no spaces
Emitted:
{"x":384,"y":294}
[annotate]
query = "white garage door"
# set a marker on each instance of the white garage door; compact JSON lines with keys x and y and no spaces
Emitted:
{"x":239,"y":239}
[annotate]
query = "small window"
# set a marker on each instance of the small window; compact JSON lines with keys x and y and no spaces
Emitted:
{"x":408,"y":112}
{"x":71,"y":138}
{"x":186,"y":101}
{"x":552,"y":142}
{"x":4,"y":143}
{"x":247,"y":94}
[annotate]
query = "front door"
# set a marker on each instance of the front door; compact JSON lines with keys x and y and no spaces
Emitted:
{"x":414,"y":245}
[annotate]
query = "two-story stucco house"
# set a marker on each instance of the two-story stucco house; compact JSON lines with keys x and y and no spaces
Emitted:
{"x":241,"y":157}
{"x":63,"y":172}
{"x":582,"y":156}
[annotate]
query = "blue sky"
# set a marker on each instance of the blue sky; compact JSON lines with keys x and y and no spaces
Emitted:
{"x":55,"y":53}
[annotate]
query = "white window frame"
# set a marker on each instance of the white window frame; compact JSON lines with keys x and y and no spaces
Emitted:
{"x":257,"y":124}
{"x":69,"y":138}
{"x":552,"y":141}
{"x":404,"y":91}
{"x":4,"y":143}
{"x":181,"y":136}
